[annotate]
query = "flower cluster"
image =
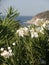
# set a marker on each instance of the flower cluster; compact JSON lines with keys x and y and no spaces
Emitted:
{"x":25,"y":31}
{"x":22,"y":31}
{"x":34,"y":32}
{"x":6,"y":53}
{"x":40,"y":21}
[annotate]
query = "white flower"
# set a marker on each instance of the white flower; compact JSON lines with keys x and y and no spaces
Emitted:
{"x":47,"y":22}
{"x":25,"y":30}
{"x":41,"y":28}
{"x":14,"y":44}
{"x":32,"y":30}
{"x":37,"y":29}
{"x":34,"y":34}
{"x":20,"y":32}
{"x":10,"y":54}
{"x":6,"y":54}
{"x":41,"y":31}
{"x":9,"y":48}
{"x":44,"y":25}
{"x":2,"y":49}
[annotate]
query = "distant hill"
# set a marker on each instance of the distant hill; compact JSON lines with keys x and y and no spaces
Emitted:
{"x":44,"y":15}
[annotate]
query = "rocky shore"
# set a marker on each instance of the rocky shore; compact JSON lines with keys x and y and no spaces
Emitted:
{"x":39,"y":17}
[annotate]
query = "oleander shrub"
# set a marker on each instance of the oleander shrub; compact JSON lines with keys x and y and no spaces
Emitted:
{"x":8,"y":27}
{"x":26,"y":45}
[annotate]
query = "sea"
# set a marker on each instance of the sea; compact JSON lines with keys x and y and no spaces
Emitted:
{"x":23,"y":20}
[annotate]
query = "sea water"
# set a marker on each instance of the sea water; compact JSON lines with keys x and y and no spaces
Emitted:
{"x":23,"y":20}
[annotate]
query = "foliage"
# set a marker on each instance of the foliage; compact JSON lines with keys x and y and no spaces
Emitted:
{"x":31,"y":44}
{"x":8,"y":27}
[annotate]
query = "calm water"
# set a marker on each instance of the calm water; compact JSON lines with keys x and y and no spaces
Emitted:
{"x":23,"y":19}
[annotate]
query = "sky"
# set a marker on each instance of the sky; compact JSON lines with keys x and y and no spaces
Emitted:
{"x":25,"y":7}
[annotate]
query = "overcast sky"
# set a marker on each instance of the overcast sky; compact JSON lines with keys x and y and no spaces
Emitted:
{"x":26,"y":7}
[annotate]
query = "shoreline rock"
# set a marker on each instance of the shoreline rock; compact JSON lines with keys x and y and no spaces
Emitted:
{"x":43,"y":16}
